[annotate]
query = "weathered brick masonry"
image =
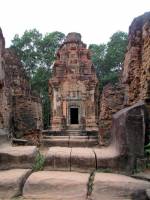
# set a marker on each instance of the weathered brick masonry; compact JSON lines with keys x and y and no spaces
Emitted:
{"x":20,"y":110}
{"x":135,"y":78}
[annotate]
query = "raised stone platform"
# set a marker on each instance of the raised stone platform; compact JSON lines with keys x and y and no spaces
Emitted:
{"x":70,"y":141}
{"x":56,"y":186}
{"x":17,"y":157}
{"x":118,"y":187}
{"x":107,"y":157}
{"x":82,"y":159}
{"x":68,"y":185}
{"x":58,"y":158}
{"x":143,"y":175}
{"x":12,"y":181}
{"x":70,"y":132}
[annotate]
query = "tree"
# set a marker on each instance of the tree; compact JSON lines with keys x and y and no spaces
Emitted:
{"x":98,"y":58}
{"x":108,"y":58}
{"x":48,"y":46}
{"x":37,"y":53}
{"x":116,"y":49}
{"x":26,"y":48}
{"x":39,"y":83}
{"x":36,"y":50}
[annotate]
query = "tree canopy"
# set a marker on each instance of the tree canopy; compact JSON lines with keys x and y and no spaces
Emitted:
{"x":36,"y":50}
{"x":37,"y":53}
{"x":108,"y":58}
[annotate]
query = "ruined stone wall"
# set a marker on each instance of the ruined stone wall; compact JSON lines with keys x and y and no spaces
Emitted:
{"x":27,"y":114}
{"x":111,"y":101}
{"x":136,"y":71}
{"x":5,"y":98}
{"x":135,"y":78}
{"x":20,"y":110}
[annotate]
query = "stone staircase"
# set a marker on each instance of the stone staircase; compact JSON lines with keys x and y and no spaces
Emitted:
{"x":70,"y":141}
{"x":71,"y":138}
{"x":62,"y":177}
{"x":73,"y":172}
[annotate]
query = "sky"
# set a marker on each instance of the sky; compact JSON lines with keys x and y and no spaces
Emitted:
{"x":96,"y":20}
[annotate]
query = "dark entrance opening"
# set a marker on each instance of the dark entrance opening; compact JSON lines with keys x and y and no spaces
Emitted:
{"x":74,"y":116}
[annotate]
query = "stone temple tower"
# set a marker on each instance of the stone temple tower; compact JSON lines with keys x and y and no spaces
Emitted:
{"x":73,"y":87}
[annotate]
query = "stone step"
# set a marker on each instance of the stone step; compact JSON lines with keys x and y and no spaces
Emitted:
{"x":71,"y":137}
{"x":144,"y":175}
{"x":70,"y":141}
{"x":70,"y":159}
{"x":69,"y":132}
{"x":59,"y":185}
{"x":83,"y":159}
{"x":56,"y":137}
{"x":12,"y":181}
{"x":17,"y":157}
{"x":20,"y":141}
{"x":52,"y":185}
{"x":73,"y":132}
{"x":108,"y":186}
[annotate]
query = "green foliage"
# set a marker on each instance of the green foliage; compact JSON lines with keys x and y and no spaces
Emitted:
{"x":27,"y":49}
{"x":116,"y":49}
{"x":39,"y":82}
{"x":147,"y":155}
{"x":39,"y":162}
{"x":48,"y":46}
{"x":37,"y":55}
{"x":105,"y":170}
{"x":36,"y":50}
{"x":90,"y":184}
{"x":111,"y":77}
{"x":108,"y":58}
{"x":147,"y":149}
{"x":98,"y":58}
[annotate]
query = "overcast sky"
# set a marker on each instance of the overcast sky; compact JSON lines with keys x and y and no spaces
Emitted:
{"x":96,"y":20}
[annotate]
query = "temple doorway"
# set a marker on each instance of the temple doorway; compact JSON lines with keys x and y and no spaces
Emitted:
{"x":74,"y":115}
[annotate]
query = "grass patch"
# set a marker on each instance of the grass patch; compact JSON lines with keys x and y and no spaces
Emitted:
{"x":105,"y":170}
{"x":39,"y":162}
{"x":90,"y":184}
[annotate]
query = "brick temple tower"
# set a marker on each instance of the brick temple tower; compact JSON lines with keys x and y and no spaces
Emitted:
{"x":73,"y":87}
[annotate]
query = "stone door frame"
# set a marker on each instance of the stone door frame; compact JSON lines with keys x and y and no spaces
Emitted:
{"x":73,"y":105}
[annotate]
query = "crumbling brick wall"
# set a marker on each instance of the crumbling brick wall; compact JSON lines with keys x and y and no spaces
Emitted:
{"x":20,"y":109}
{"x":5,"y":97}
{"x":136,"y":70}
{"x":111,"y":101}
{"x":27,"y":114}
{"x":135,"y":78}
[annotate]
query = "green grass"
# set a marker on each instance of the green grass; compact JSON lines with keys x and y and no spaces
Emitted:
{"x":105,"y":170}
{"x":39,"y":162}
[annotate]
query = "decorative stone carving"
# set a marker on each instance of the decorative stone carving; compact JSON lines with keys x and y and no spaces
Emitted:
{"x":72,"y":86}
